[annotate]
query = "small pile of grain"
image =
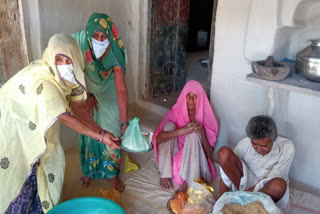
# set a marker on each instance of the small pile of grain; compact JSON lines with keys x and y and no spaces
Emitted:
{"x":253,"y":207}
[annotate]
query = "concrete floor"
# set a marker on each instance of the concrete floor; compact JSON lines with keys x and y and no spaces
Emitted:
{"x":193,"y":68}
{"x":72,"y":188}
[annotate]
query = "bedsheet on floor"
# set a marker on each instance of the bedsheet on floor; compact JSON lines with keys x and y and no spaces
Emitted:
{"x":143,"y":194}
{"x":303,"y":202}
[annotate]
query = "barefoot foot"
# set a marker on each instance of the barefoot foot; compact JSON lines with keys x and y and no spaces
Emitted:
{"x":117,"y":184}
{"x":183,"y":188}
{"x":85,"y":181}
{"x":166,"y":183}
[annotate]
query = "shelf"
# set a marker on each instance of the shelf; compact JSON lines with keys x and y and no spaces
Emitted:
{"x":294,"y":82}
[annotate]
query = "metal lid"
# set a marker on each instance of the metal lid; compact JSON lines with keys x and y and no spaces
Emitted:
{"x":315,"y":42}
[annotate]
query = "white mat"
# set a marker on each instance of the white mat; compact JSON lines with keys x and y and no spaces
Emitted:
{"x":143,"y":194}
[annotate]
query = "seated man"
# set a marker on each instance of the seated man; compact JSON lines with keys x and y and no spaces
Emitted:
{"x":185,"y":138}
{"x":260,"y":162}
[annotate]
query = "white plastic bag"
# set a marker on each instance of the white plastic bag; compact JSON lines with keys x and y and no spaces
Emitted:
{"x":133,"y":140}
{"x":243,"y":198}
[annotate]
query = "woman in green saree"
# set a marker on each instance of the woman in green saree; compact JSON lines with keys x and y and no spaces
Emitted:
{"x":105,"y":67}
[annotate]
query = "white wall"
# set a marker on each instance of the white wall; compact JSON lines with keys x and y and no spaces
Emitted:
{"x":234,"y":99}
{"x":247,"y":30}
{"x":30,"y":10}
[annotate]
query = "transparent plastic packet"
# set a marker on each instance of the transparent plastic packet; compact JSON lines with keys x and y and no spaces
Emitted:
{"x":200,"y":198}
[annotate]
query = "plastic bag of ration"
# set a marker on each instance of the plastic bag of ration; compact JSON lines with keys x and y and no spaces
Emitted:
{"x":200,"y":198}
{"x":129,"y":165}
{"x":244,"y":201}
{"x":133,"y":140}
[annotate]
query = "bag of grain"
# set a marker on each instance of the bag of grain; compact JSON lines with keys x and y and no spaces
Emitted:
{"x":245,"y":202}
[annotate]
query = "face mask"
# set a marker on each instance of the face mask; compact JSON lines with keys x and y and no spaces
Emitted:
{"x":66,"y":72}
{"x":99,"y":47}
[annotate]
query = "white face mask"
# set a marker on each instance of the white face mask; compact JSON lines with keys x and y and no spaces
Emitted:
{"x":66,"y":72}
{"x":99,"y":47}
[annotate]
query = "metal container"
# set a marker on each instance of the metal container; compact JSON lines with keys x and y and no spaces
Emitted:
{"x":308,"y":61}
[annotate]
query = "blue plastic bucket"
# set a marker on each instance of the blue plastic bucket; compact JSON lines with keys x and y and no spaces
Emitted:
{"x":88,"y":205}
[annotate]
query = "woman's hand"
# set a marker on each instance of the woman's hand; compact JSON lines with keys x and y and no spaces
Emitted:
{"x":91,"y":104}
{"x":200,"y":129}
{"x":189,"y":128}
{"x":111,"y":141}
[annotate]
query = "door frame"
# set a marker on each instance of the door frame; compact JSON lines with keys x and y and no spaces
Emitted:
{"x":147,"y":90}
{"x":211,"y":47}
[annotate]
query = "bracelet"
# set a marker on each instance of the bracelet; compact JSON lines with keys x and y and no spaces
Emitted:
{"x":89,"y":96}
{"x":101,"y":136}
{"x":124,"y":123}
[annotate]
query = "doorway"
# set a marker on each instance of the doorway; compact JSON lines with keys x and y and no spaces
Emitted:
{"x":181,"y":47}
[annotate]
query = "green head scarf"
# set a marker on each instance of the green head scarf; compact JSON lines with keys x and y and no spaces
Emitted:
{"x":103,"y":23}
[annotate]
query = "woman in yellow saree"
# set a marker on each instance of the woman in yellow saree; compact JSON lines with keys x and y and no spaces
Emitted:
{"x":31,"y":157}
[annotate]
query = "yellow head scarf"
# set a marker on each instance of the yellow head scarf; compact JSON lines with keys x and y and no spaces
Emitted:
{"x":65,"y":45}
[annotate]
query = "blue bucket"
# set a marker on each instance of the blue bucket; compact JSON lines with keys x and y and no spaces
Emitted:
{"x":88,"y":205}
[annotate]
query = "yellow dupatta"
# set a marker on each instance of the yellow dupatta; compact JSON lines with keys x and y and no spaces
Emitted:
{"x":31,"y":102}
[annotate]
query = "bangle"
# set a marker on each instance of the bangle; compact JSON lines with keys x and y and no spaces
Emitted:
{"x":101,"y":136}
{"x":124,"y":124}
{"x":89,"y":96}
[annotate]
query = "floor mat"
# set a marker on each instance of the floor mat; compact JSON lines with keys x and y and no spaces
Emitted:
{"x":143,"y":194}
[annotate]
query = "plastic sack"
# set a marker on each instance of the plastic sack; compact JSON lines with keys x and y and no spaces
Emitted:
{"x":133,"y":140}
{"x":111,"y":194}
{"x":200,"y":199}
{"x":244,"y":198}
{"x":129,"y":165}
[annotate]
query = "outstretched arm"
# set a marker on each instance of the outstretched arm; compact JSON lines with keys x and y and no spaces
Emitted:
{"x":80,"y":127}
{"x":82,"y":112}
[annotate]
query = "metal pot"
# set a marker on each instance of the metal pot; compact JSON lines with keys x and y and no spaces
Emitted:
{"x":308,"y":61}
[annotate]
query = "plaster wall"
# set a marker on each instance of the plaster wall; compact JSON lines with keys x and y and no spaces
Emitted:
{"x":249,"y":30}
{"x":31,"y":21}
{"x":13,"y":53}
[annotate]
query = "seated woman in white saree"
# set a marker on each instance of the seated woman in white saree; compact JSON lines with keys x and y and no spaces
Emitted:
{"x":185,"y":138}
